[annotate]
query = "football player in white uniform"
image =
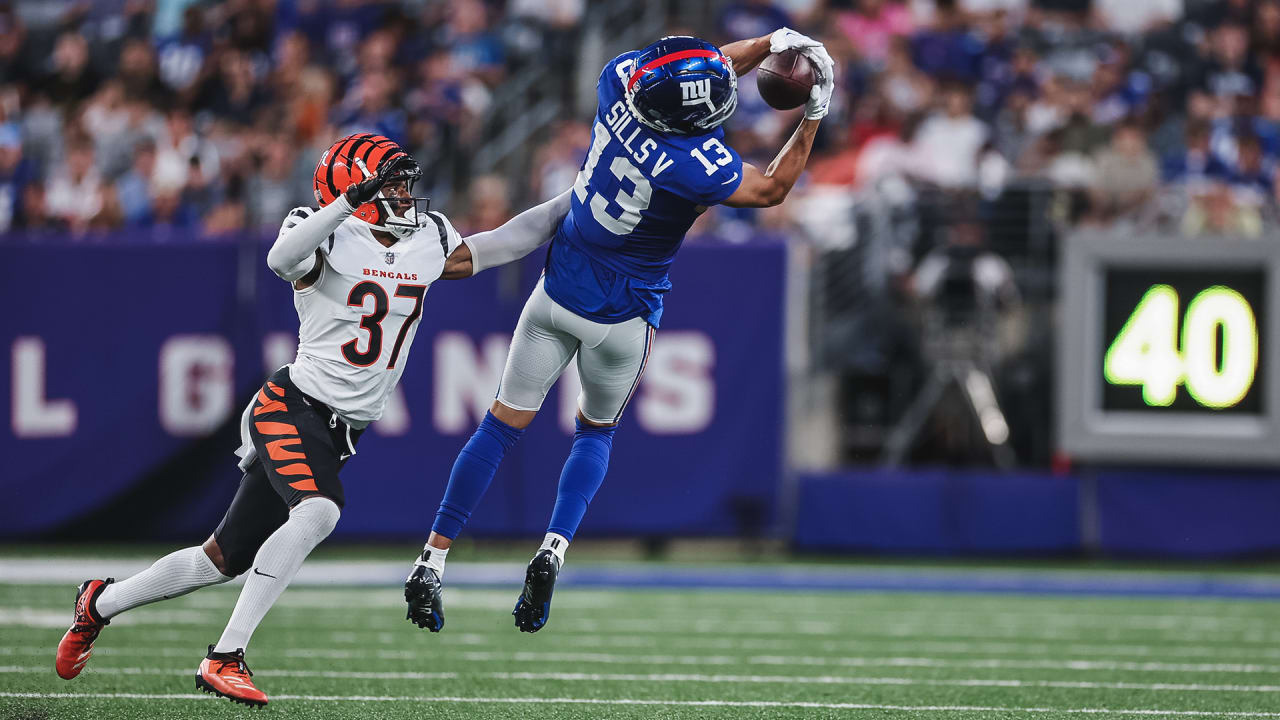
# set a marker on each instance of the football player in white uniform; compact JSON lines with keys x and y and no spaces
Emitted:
{"x":360,"y":267}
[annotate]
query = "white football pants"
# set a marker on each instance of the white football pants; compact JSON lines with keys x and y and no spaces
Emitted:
{"x":611,"y":358}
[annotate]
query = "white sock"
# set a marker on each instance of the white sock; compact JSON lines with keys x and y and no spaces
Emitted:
{"x":274,"y":566}
{"x":433,"y":557}
{"x":177,"y":573}
{"x":557,"y":544}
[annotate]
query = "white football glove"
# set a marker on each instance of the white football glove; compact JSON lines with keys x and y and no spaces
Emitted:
{"x":820,"y":93}
{"x":820,"y":96}
{"x":788,"y":39}
{"x":785,"y":39}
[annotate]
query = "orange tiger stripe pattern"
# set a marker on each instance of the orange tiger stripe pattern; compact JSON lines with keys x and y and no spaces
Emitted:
{"x":275,"y":428}
{"x":276,"y":449}
{"x":280,"y":450}
{"x":267,"y":404}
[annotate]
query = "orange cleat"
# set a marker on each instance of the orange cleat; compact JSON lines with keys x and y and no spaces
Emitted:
{"x":77,"y":645}
{"x":226,"y":675}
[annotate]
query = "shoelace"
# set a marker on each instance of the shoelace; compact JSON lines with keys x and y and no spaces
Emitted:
{"x":240,"y":666}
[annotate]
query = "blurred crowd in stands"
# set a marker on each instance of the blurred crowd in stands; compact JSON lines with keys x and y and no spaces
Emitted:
{"x":1151,"y":110}
{"x":207,"y":116}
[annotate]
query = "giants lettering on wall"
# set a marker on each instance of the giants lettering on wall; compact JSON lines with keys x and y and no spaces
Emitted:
{"x":196,"y":390}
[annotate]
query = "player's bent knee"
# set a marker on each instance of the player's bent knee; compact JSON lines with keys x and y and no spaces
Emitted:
{"x":233,"y":560}
{"x":519,"y":419}
{"x":319,"y":512}
{"x":596,"y":424}
{"x":214,"y":552}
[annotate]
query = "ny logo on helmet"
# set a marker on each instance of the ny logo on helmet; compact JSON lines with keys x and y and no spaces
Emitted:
{"x":698,"y":92}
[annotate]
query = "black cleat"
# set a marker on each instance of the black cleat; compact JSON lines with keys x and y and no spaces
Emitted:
{"x":422,"y":592}
{"x":534,"y":606}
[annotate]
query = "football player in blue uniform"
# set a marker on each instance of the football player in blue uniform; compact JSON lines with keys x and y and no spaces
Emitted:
{"x":657,"y":161}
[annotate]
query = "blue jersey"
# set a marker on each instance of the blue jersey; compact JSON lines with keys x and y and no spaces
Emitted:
{"x":638,"y":192}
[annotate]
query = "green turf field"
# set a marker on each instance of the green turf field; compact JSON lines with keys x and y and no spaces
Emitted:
{"x":347,"y":652}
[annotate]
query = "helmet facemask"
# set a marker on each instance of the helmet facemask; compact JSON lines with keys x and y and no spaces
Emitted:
{"x":722,"y":113}
{"x":399,"y":212}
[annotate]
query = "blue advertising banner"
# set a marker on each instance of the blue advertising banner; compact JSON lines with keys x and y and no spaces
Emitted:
{"x":127,"y":365}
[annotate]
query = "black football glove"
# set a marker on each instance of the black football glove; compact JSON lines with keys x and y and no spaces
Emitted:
{"x":366,"y":190}
{"x":422,"y":592}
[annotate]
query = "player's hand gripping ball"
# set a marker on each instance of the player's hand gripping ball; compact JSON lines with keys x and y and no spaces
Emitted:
{"x":799,"y":71}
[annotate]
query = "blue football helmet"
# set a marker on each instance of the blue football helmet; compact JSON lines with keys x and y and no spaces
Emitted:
{"x":682,"y":85}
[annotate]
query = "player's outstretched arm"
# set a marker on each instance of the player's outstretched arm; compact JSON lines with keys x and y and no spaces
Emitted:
{"x":769,"y":188}
{"x":514,"y":239}
{"x":747,"y":54}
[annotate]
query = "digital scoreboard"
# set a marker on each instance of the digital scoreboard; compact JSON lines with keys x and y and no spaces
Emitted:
{"x":1165,"y":350}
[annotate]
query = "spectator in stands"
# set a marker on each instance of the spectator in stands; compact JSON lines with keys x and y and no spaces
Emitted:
{"x":555,"y":167}
{"x":1216,"y":212}
{"x":489,"y":203}
{"x":1081,"y":133}
{"x":14,"y":176}
{"x":1013,"y":134}
{"x":1126,"y":173}
{"x":137,"y":72}
{"x":271,"y":191}
{"x":133,"y":188}
{"x":948,"y":47}
{"x":373,"y":109}
{"x":74,"y":195}
{"x":232,"y":93}
{"x":70,"y":78}
{"x":902,"y":84}
{"x":1118,"y":91}
{"x":472,"y":47}
{"x":1195,"y":164}
{"x":180,"y":58}
{"x":871,"y":25}
{"x":1134,"y":18}
{"x":946,"y":146}
{"x":751,"y":18}
{"x":1229,"y":69}
{"x":1253,"y":179}
{"x":13,"y":37}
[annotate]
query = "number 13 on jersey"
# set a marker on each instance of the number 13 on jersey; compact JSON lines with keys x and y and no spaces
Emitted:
{"x":632,"y":203}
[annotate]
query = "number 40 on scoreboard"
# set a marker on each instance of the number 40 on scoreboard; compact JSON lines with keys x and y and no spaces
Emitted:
{"x":1210,"y":347}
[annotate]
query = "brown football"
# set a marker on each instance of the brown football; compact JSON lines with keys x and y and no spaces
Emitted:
{"x":785,"y":79}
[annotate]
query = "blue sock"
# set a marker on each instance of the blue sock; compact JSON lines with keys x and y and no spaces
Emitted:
{"x":581,"y":478}
{"x":472,"y":472}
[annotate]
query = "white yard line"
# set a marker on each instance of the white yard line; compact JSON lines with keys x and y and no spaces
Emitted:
{"x":697,"y":678}
{"x":849,"y":661}
{"x":586,"y":600}
{"x":689,"y":626}
{"x":851,"y":646}
{"x":44,"y":618}
{"x":1257,"y":656}
{"x":661,"y":703}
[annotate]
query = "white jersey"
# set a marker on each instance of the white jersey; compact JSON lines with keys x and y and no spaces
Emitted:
{"x":358,"y":319}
